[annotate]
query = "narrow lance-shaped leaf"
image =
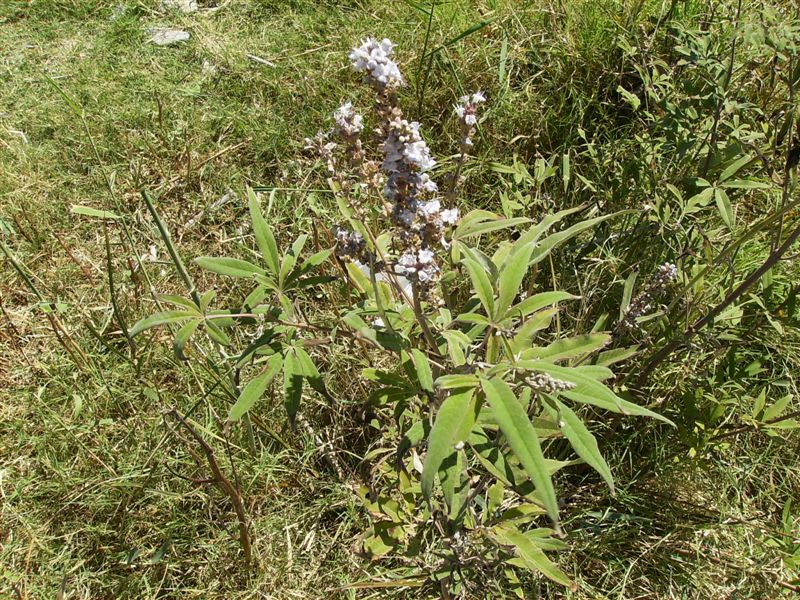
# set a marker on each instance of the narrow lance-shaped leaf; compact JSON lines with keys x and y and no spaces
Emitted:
{"x":583,"y":442}
{"x":530,"y":555}
{"x":162,"y":318}
{"x":482,"y":285}
{"x":569,"y":347}
{"x":590,"y":391}
{"x":548,"y":244}
{"x":231,"y":267}
{"x":724,"y":207}
{"x":424,"y":375}
{"x":264,"y":238}
{"x":455,"y":485}
{"x":454,"y":419}
{"x":539,"y":301}
{"x":627,"y":293}
{"x":255,"y":389}
{"x":182,"y":337}
{"x":521,"y":436}
{"x":510,"y":280}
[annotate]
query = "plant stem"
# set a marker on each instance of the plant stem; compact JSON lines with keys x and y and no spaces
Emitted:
{"x":740,"y":290}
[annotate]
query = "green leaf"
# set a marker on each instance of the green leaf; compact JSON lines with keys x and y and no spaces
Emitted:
{"x":264,"y":238}
{"x":455,"y":487}
{"x":501,"y":70}
{"x":775,"y":410}
{"x":457,"y":343}
{"x":412,"y":438}
{"x":699,"y":201}
{"x":610,"y":357}
{"x":206,"y":299}
{"x":524,"y":336}
{"x":551,"y":242}
{"x":477,"y":223}
{"x":724,"y":207}
{"x":255,"y":389}
{"x":734,"y":167}
{"x":569,"y":347}
{"x":746,"y":184}
{"x":162,"y":318}
{"x":482,"y":285}
{"x":216,"y":333}
{"x":309,"y":371}
{"x":590,"y":391}
{"x":511,"y":276}
{"x":231,"y":267}
{"x":182,"y":337}
{"x":538,"y":301}
{"x":473,"y":318}
{"x":88,"y":211}
{"x":629,"y":97}
{"x":521,"y":436}
{"x":359,"y":279}
{"x":627,"y":293}
{"x":449,"y":382}
{"x":452,"y":424}
{"x":530,"y":555}
{"x":424,"y":375}
{"x":181,"y":301}
{"x":583,"y":442}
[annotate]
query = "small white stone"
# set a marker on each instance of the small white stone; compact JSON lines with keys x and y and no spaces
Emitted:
{"x":168,"y":37}
{"x":184,"y":6}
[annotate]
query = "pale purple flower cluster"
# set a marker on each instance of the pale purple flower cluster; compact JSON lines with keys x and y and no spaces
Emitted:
{"x":406,"y":159}
{"x":324,"y":148}
{"x":374,"y":58}
{"x":418,"y":265}
{"x":644,"y":302}
{"x":349,"y":244}
{"x":466,"y":111}
{"x":348,"y":122}
{"x":542,"y":382}
{"x":416,"y":212}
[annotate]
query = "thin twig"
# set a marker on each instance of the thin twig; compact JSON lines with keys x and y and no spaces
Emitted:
{"x":224,"y":484}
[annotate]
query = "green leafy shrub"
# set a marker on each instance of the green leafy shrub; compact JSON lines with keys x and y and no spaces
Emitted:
{"x":470,"y":387}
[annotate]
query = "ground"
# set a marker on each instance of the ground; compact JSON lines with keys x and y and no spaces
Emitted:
{"x":96,"y":500}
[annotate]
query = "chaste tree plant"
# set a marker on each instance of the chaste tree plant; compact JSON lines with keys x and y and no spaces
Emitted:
{"x":470,"y":386}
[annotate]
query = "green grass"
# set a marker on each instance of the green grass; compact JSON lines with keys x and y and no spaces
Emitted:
{"x":94,"y":500}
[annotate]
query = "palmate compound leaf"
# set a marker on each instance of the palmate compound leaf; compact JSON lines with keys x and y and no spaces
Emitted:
{"x":255,"y":389}
{"x":521,"y":436}
{"x":453,"y":422}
